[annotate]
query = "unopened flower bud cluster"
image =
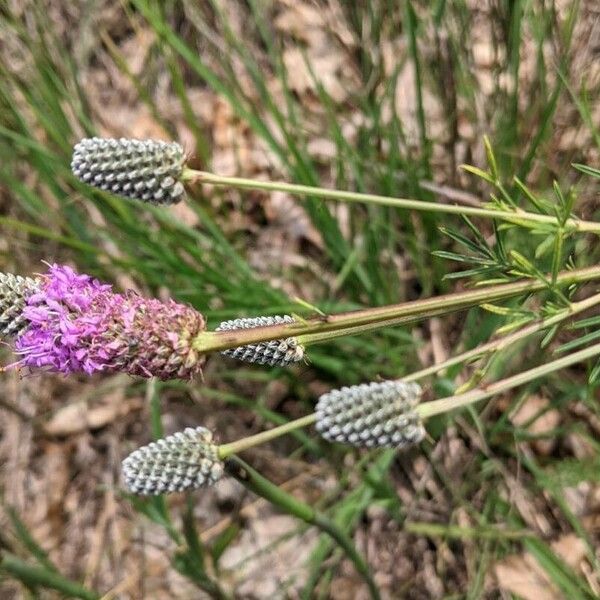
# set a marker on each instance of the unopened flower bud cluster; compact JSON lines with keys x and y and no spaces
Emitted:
{"x":380,"y":414}
{"x":146,"y":170}
{"x":14,"y":291}
{"x":184,"y":461}
{"x":276,"y":353}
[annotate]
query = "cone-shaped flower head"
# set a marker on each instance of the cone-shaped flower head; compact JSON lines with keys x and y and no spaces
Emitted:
{"x":371,"y":415}
{"x":14,"y":291}
{"x":276,"y":353}
{"x":78,"y":325}
{"x":146,"y":170}
{"x":186,"y":460}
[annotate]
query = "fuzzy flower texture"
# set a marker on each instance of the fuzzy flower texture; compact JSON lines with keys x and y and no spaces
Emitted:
{"x":76,"y":324}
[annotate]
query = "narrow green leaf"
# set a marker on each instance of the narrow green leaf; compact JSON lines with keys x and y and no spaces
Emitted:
{"x":479,"y":173}
{"x":35,"y":577}
{"x":28,"y":541}
{"x":587,"y":170}
{"x":223,"y":541}
{"x":559,"y":572}
{"x":491,"y":159}
{"x":580,"y":341}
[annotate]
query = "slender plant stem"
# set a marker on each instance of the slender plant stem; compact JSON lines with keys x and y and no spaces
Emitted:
{"x":316,"y":338}
{"x":430,"y":408}
{"x":211,"y":341}
{"x":436,"y":407}
{"x":574,"y":308}
{"x":517,"y":216}
{"x":507,"y":340}
{"x":226,"y":450}
{"x":276,"y":496}
{"x":261,"y":486}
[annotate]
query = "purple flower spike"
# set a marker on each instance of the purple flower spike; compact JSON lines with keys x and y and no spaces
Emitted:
{"x":79,"y":325}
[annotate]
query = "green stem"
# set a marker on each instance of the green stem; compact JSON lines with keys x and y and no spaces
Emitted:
{"x":316,"y":338}
{"x":436,"y":407}
{"x":210,"y":341}
{"x":507,"y":340}
{"x":261,"y":486}
{"x":34,"y":576}
{"x":428,"y":409}
{"x":517,"y":216}
{"x":226,"y":450}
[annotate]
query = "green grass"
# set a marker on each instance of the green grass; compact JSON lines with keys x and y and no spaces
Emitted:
{"x":379,"y":256}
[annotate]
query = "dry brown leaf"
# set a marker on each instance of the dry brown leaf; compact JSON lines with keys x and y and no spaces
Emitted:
{"x":319,"y":49}
{"x":301,"y":21}
{"x":185,"y":214}
{"x":79,"y":416}
{"x":325,"y":69}
{"x":571,"y":549}
{"x":547,"y":421}
{"x":322,"y":149}
{"x":274,"y":558}
{"x":345,"y":588}
{"x":525,"y":503}
{"x":523,"y":575}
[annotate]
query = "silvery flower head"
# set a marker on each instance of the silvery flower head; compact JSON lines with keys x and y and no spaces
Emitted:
{"x":184,"y":461}
{"x":146,"y":170}
{"x":275,"y":353}
{"x":14,"y":291}
{"x":75,"y":324}
{"x":371,"y":415}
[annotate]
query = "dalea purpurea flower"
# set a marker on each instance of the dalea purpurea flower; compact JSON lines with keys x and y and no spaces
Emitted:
{"x":371,"y":415}
{"x":72,"y":323}
{"x":275,"y":353}
{"x":186,"y":460}
{"x":146,"y":170}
